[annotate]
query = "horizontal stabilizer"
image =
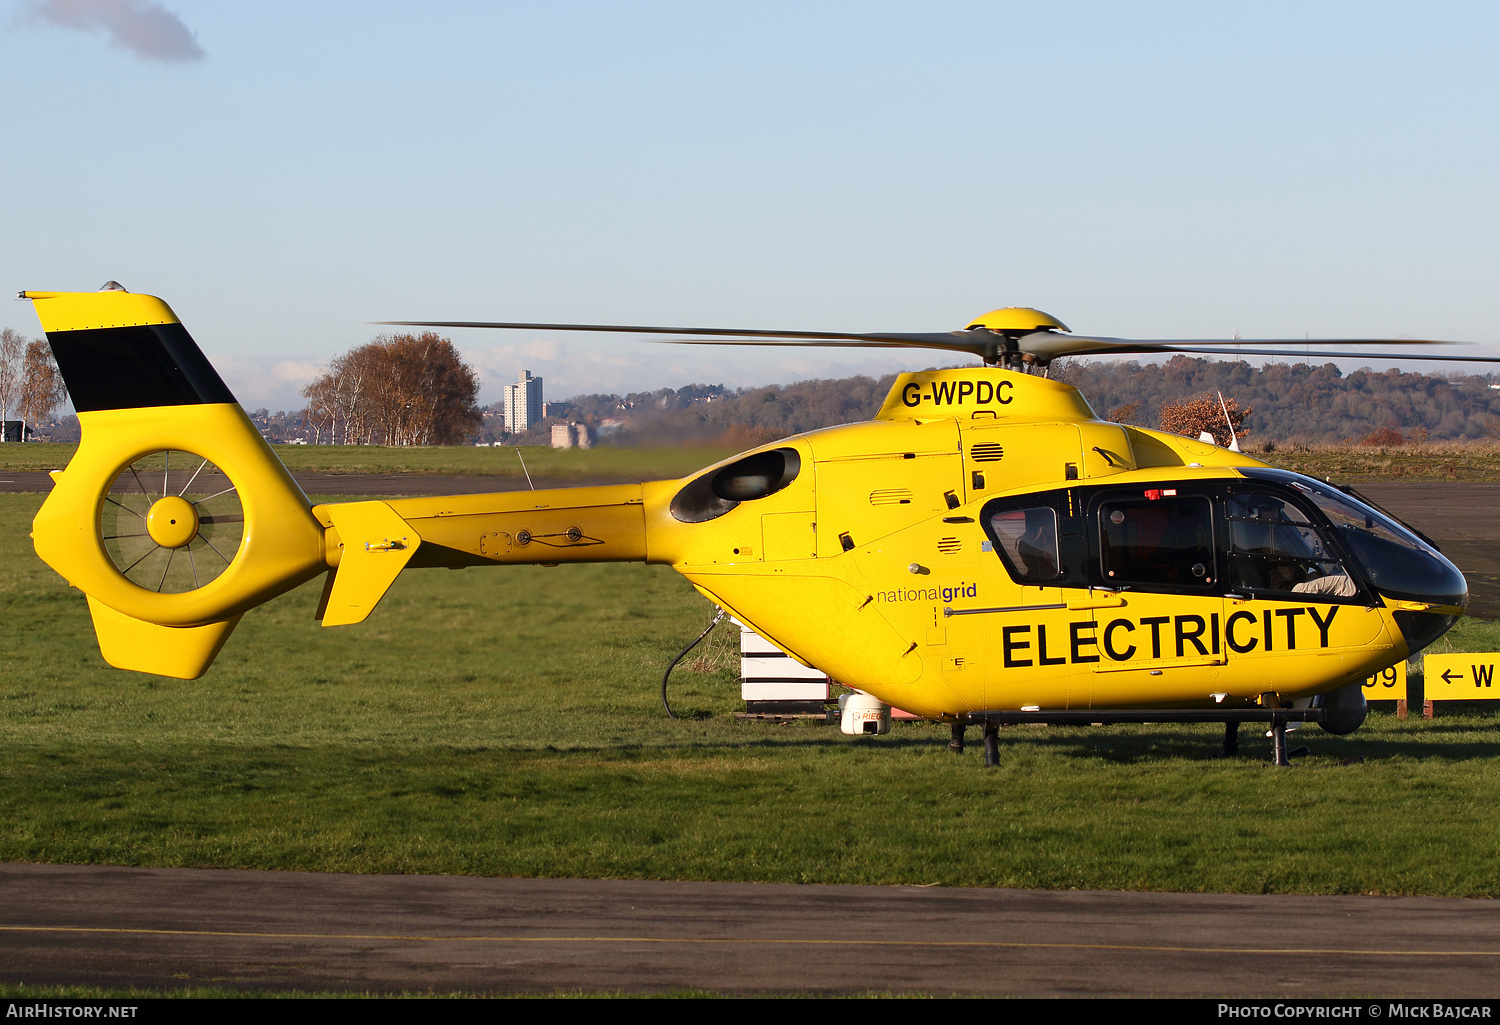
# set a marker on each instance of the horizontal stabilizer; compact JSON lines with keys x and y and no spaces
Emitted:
{"x":375,"y":544}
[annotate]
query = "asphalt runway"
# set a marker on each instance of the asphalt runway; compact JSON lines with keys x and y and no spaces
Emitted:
{"x":1464,"y":520}
{"x":176,"y":928}
{"x":17,"y":481}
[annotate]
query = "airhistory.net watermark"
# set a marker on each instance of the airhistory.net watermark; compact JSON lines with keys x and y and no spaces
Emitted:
{"x":43,"y":1009}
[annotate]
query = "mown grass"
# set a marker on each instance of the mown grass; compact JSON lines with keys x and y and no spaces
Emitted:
{"x":1349,"y":463}
{"x":1468,"y":635}
{"x":1355,"y":464}
{"x":26,"y":991}
{"x":625,"y":464}
{"x":506,"y":722}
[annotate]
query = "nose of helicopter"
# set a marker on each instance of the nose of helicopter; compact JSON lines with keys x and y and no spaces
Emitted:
{"x":1427,"y":591}
{"x":1417,"y":574}
{"x":1422,"y":628}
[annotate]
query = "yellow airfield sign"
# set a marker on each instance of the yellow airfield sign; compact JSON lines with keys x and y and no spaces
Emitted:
{"x":1461,"y":677}
{"x":1387,"y":685}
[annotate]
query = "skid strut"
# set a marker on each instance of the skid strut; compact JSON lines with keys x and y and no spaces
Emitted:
{"x":1278,"y":743}
{"x":991,"y":744}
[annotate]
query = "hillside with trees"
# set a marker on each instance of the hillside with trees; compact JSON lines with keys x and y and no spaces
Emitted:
{"x":713,"y":414}
{"x":1298,"y":401}
{"x":1275,"y":403}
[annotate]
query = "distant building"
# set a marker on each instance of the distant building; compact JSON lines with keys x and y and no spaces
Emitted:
{"x":569,"y":435}
{"x":523,"y":403}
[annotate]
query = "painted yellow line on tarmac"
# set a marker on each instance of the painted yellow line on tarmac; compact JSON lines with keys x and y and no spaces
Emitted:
{"x":994,"y":944}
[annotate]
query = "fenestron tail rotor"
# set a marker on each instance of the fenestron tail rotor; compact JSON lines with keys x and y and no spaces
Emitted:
{"x":172,"y":522}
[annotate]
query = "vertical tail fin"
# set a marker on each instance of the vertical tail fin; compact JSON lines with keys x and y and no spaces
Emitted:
{"x":174,"y":516}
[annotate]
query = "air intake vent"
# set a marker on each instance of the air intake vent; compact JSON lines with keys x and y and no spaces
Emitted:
{"x":987,"y":452}
{"x":949,"y":545}
{"x":891,"y":496}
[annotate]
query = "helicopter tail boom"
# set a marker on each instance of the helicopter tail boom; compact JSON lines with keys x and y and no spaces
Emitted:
{"x":370,"y":543}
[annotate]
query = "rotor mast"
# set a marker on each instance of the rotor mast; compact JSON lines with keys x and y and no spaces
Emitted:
{"x":996,"y":336}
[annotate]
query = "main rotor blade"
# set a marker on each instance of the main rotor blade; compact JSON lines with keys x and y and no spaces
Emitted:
{"x":1042,"y":345}
{"x":938,"y":339}
{"x":1338,"y":355}
{"x":1054,"y":344}
{"x":1049,"y":352}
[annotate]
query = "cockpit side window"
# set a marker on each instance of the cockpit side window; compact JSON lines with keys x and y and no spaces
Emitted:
{"x":1157,"y":538}
{"x":1039,"y":537}
{"x":1027,"y":538}
{"x":1275,"y":547}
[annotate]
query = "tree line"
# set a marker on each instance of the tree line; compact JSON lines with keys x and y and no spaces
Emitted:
{"x":396,"y":390}
{"x":30,"y":385}
{"x":1296,"y":401}
{"x":1273,"y":403}
{"x":714,"y":414}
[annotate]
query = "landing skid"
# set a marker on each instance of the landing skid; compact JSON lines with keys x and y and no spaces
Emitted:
{"x":1276,"y":718}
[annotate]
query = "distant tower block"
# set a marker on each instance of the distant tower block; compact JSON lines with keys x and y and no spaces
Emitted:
{"x":523,"y":403}
{"x":569,"y":435}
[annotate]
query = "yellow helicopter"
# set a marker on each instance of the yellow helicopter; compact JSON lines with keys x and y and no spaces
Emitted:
{"x":985,"y":550}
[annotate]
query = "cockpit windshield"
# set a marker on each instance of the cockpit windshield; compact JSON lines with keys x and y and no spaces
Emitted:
{"x":1397,"y":562}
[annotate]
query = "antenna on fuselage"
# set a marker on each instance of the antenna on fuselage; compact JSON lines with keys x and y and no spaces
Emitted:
{"x":528,"y":472}
{"x":1234,"y":442}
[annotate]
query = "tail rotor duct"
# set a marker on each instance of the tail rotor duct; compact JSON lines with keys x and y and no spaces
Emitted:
{"x":172,"y":521}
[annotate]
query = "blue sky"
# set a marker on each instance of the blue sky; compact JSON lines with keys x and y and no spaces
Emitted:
{"x":282,"y":174}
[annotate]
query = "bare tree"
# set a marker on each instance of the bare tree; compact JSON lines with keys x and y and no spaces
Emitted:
{"x":397,"y":390}
{"x":12,"y":353}
{"x":42,"y":388}
{"x":321,"y":413}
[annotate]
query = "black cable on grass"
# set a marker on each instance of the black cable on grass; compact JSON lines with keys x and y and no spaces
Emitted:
{"x":680,"y":656}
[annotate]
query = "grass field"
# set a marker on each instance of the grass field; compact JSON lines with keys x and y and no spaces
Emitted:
{"x":506,"y":722}
{"x":1468,"y":461}
{"x":1357,"y":464}
{"x":625,"y":464}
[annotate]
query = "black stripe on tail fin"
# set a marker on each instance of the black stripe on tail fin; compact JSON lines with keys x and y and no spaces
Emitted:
{"x":130,"y":367}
